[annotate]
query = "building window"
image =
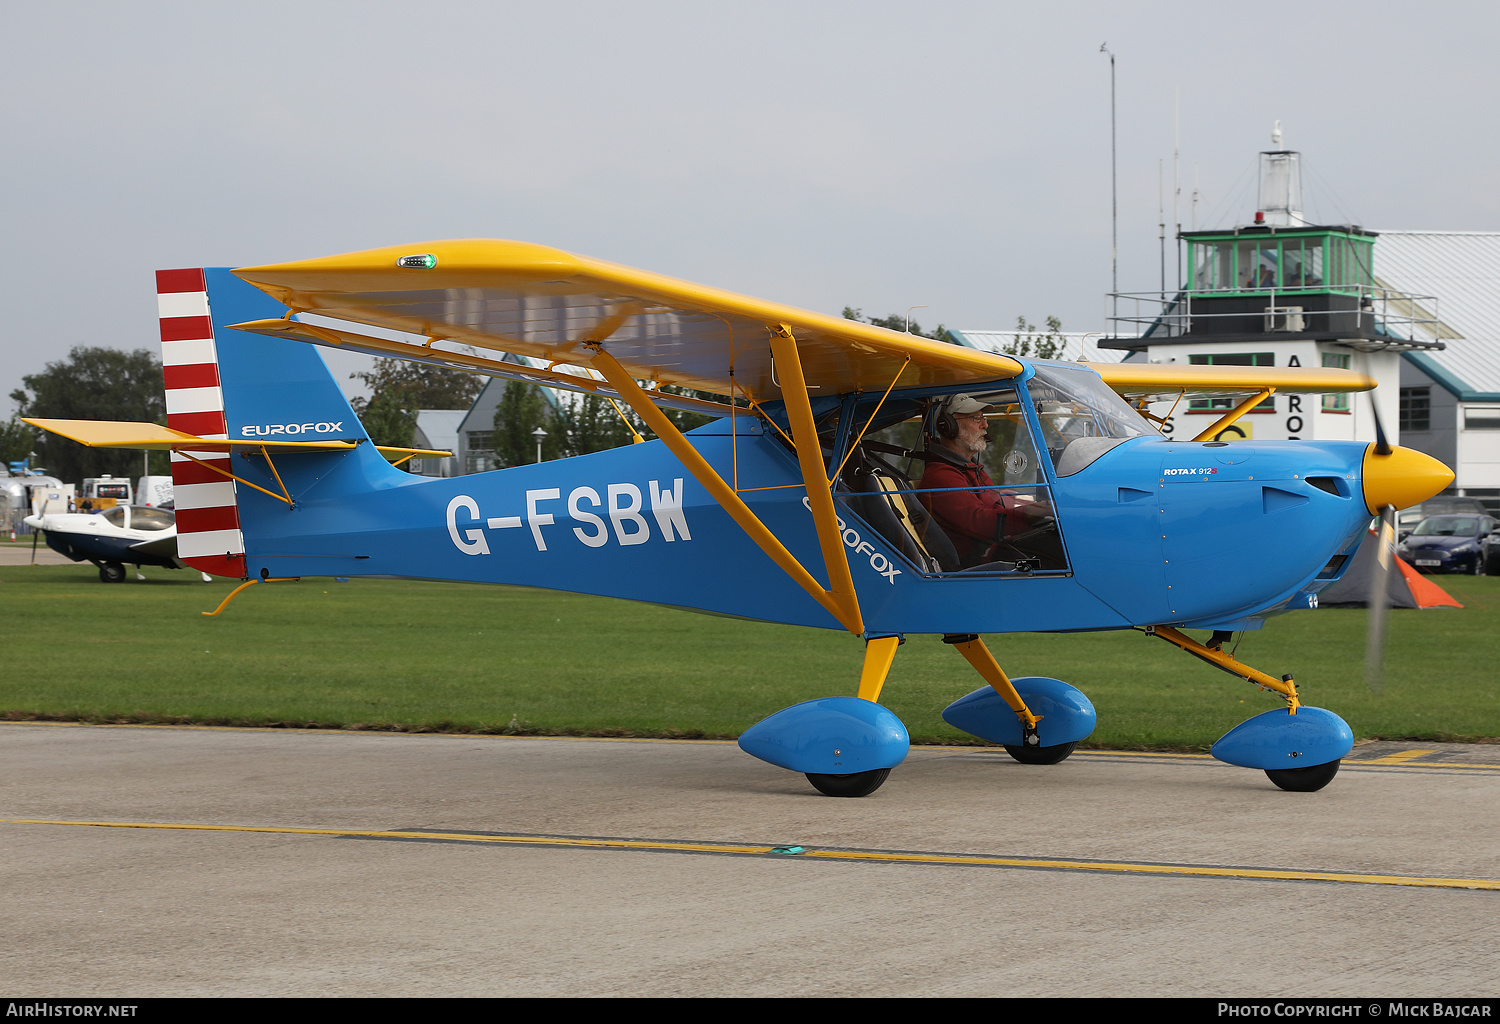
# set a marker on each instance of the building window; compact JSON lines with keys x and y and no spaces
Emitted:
{"x":480,"y":456}
{"x":1482,"y":417}
{"x":480,"y":460}
{"x":1335,"y":403}
{"x":1416,"y":409}
{"x":1231,"y":359}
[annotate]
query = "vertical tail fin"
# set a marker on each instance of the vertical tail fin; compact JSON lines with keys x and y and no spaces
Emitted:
{"x":208,"y":522}
{"x":226,"y":384}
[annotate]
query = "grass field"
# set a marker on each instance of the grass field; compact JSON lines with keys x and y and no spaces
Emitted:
{"x":386,"y":654}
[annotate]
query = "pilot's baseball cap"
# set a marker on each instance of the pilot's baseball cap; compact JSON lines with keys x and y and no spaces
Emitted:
{"x":965,"y":405}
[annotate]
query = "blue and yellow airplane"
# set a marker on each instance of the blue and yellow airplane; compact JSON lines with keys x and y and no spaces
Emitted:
{"x":853,"y":478}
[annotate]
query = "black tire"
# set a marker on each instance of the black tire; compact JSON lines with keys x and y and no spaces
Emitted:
{"x":1041,"y":755}
{"x":111,"y":572}
{"x":1304,"y":780}
{"x":858,"y":784}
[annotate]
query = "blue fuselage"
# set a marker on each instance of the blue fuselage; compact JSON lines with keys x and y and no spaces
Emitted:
{"x":1155,"y":531}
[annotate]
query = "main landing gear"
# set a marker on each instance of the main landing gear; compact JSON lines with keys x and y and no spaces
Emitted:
{"x":1041,"y":755}
{"x":858,"y":784}
{"x":847,"y":746}
{"x":1038,"y":720}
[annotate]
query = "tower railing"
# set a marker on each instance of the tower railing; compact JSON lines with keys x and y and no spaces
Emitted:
{"x":1386,"y":317}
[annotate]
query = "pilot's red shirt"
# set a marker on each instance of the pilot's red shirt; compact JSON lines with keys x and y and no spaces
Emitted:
{"x":971,"y":517}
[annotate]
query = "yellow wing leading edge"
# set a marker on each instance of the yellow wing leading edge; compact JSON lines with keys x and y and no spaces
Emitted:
{"x":541,"y":302}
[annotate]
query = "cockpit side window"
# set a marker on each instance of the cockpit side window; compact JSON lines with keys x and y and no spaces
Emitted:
{"x":949,"y":506}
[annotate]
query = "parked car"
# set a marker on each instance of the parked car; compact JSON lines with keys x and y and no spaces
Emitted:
{"x":1492,"y":555}
{"x":1408,"y":518}
{"x":1450,"y":543}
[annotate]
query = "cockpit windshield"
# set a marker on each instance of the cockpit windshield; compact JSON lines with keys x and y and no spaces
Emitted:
{"x":1081,"y":417}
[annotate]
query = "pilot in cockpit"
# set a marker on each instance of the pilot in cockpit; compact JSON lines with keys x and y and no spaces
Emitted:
{"x":958,"y":491}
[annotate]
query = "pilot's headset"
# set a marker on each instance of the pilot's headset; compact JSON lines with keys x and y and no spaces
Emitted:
{"x":944,"y":424}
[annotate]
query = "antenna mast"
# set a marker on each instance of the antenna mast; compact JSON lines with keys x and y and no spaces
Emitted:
{"x":1114,"y":191}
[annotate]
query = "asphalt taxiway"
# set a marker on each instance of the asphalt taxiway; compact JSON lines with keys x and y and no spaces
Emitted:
{"x":150,"y":861}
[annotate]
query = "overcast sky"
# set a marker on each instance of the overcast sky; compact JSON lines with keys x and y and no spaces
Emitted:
{"x":954,"y":155}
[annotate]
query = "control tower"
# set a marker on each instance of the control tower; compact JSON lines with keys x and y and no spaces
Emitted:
{"x":1279,"y":291}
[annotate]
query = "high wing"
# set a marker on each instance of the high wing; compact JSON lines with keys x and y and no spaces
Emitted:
{"x":1138,"y":380}
{"x":552,"y":305}
{"x":349,"y":341}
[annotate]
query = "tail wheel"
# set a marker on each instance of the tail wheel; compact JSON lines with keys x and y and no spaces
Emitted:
{"x":111,"y":572}
{"x":1040,"y":755}
{"x":858,"y":784}
{"x":1304,"y":780}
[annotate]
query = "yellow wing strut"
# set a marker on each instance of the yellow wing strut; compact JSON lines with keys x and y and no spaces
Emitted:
{"x":839,"y":599}
{"x":1233,"y":414}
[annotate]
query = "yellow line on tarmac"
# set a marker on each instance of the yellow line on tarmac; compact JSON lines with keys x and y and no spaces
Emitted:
{"x":1398,"y":757}
{"x":1116,"y":867}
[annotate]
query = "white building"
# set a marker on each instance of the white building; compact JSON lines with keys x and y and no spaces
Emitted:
{"x":438,"y":429}
{"x":1450,"y":398}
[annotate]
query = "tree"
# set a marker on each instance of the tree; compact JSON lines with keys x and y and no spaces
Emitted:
{"x":399,"y":389}
{"x":576,"y":424}
{"x":522,"y":409}
{"x":1027,"y":341}
{"x":421,"y":385}
{"x":17,"y":440}
{"x":593,"y":425}
{"x":897,"y":322}
{"x":95,"y":384}
{"x":681,"y":418}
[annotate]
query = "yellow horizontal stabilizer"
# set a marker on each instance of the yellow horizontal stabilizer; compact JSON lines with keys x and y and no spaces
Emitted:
{"x":349,"y":341}
{"x":155,"y":437}
{"x":1135,"y":379}
{"x":536,"y":301}
{"x":421,"y":453}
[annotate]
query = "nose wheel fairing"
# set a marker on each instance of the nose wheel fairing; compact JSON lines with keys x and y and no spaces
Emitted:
{"x":1279,"y":739}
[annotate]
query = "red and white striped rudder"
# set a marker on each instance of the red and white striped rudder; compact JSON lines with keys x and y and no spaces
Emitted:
{"x":208,"y":522}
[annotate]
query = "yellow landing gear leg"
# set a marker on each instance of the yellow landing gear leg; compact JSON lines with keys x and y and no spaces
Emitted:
{"x":1071,"y":716}
{"x":978,"y":655}
{"x":880,"y":651}
{"x":1213,"y":653}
